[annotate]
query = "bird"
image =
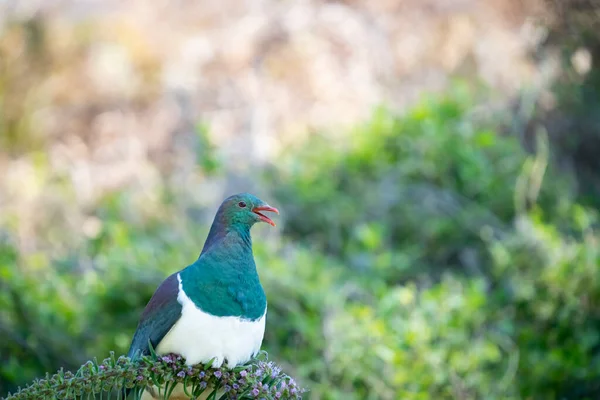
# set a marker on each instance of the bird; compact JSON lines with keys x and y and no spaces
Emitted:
{"x":215,"y":308}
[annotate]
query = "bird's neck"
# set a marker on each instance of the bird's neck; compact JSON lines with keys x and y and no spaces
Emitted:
{"x":231,"y":247}
{"x":230,"y":235}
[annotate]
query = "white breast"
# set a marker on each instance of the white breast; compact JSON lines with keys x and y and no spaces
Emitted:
{"x":199,"y":337}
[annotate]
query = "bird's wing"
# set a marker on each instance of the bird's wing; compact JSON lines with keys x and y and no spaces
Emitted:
{"x":161,"y":313}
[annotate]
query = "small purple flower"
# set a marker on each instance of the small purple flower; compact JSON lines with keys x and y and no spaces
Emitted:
{"x":201,"y":374}
{"x":140,"y":378}
{"x":167,"y":359}
{"x":236,"y":386}
{"x":181,"y":374}
{"x":275,"y":372}
{"x":258,"y":372}
{"x":255,"y":392}
{"x":218,"y":374}
{"x":203,"y":384}
{"x":243,"y":373}
{"x":293,"y":391}
{"x":102,"y":368}
{"x":226,"y":388}
{"x":278,"y":395}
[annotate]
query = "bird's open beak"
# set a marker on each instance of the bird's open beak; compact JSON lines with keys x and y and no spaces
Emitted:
{"x":257,"y":210}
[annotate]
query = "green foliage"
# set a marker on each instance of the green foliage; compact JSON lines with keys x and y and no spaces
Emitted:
{"x":463,"y":267}
{"x":165,"y":375}
{"x":411,"y":194}
{"x":424,"y":256}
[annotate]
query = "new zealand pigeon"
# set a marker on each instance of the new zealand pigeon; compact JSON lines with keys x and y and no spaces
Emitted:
{"x":215,"y":307}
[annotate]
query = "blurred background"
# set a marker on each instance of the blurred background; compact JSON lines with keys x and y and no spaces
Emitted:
{"x":436,"y":162}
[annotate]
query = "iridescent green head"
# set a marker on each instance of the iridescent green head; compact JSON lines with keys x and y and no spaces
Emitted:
{"x":244,"y":209}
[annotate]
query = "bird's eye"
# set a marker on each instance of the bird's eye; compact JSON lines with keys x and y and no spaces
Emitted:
{"x":242,"y":204}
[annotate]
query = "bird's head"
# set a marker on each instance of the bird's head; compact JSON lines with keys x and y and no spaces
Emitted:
{"x":245,"y":209}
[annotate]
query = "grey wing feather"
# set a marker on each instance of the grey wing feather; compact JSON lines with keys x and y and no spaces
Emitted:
{"x":161,"y":313}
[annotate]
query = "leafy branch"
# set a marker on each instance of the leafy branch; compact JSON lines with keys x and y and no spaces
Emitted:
{"x":115,"y":377}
